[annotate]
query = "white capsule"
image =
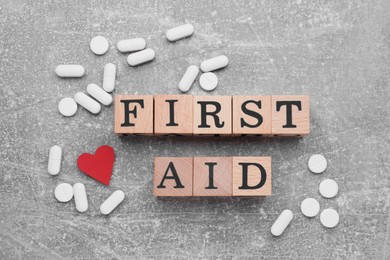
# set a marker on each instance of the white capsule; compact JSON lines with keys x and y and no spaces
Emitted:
{"x":55,"y":158}
{"x":130,"y":45}
{"x":140,"y":57}
{"x":215,"y":63}
{"x":80,"y":197}
{"x":281,"y":222}
{"x":99,"y":94}
{"x":208,"y":81}
{"x":88,"y":103}
{"x":180,"y":32}
{"x":70,"y":71}
{"x":63,"y":192}
{"x":109,"y":77}
{"x":112,"y":202}
{"x":188,"y":78}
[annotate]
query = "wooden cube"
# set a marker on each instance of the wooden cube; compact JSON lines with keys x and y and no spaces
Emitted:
{"x":251,"y":115}
{"x":252,"y":176}
{"x":173,"y":176}
{"x":134,"y":114}
{"x":213,"y":176}
{"x":173,"y":114}
{"x":212,"y":115}
{"x":290,"y":115}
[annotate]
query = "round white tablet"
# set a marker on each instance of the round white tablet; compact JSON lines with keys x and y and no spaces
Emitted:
{"x":99,"y":45}
{"x":63,"y":192}
{"x":67,"y":106}
{"x":329,"y":218}
{"x":208,"y":81}
{"x":310,"y":207}
{"x":328,"y":188}
{"x":317,"y":163}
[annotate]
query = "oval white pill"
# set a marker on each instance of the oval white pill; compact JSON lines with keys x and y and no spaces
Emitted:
{"x":129,"y":45}
{"x":317,"y":163}
{"x":208,"y":81}
{"x":112,"y":202}
{"x":63,"y":192}
{"x":99,"y":94}
{"x":281,"y":222}
{"x":328,"y":188}
{"x":99,"y":45}
{"x":188,"y":78}
{"x":88,"y":103}
{"x":180,"y":32}
{"x":80,"y":197}
{"x":215,"y":63}
{"x":67,"y":106}
{"x":141,"y":57}
{"x":55,"y":158}
{"x":329,"y":218}
{"x":109,"y":77}
{"x":310,"y":207}
{"x":70,"y":71}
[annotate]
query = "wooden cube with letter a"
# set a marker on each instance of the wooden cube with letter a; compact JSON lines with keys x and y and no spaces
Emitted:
{"x":251,"y":115}
{"x":134,"y":114}
{"x":212,"y":176}
{"x":173,"y":176}
{"x":252,"y":176}
{"x":290,"y":115}
{"x":212,"y":115}
{"x":173,"y":114}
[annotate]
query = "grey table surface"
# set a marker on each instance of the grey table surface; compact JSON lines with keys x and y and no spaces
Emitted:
{"x":335,"y":51}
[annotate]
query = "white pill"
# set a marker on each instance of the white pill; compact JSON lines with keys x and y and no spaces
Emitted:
{"x":188,"y":78}
{"x":99,"y":94}
{"x":180,"y":32}
{"x":70,"y":71}
{"x":129,"y":45}
{"x":80,"y":197}
{"x":141,"y":57}
{"x":109,"y":77}
{"x":310,"y":207}
{"x":55,"y":158}
{"x":208,"y":81}
{"x":88,"y":103}
{"x":99,"y":45}
{"x":215,"y":63}
{"x":281,"y":222}
{"x":328,"y":188}
{"x":67,"y":106}
{"x":317,"y":163}
{"x":112,"y":202}
{"x":63,"y":192}
{"x":329,"y":218}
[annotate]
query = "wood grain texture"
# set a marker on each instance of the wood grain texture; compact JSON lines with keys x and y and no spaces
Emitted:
{"x":262,"y":107}
{"x":184,"y":169}
{"x":182,"y":116}
{"x":300,"y":117}
{"x":143,"y":122}
{"x":254,"y":176}
{"x":222,"y":176}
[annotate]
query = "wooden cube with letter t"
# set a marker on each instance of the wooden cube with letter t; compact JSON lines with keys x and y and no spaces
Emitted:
{"x":212,"y":115}
{"x":252,"y":176}
{"x":290,"y":115}
{"x":251,"y":115}
{"x":173,"y":176}
{"x":173,"y":114}
{"x":134,"y":114}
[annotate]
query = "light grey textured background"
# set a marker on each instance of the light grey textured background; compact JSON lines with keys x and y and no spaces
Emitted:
{"x":335,"y":51}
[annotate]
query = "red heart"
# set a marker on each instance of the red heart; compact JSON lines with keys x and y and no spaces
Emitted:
{"x":99,"y":165}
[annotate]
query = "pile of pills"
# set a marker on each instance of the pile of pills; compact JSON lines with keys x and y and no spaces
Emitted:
{"x":310,"y":207}
{"x":64,"y":192}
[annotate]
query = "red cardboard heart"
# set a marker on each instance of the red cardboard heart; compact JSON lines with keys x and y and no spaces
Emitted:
{"x":99,"y":165}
